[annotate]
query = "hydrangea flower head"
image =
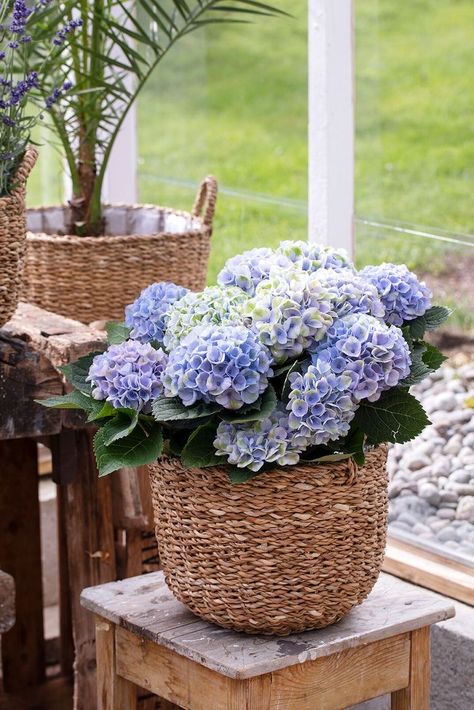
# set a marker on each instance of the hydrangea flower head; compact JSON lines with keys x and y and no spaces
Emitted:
{"x":251,"y":445}
{"x":321,"y":407}
{"x":128,"y":375}
{"x":350,"y":293}
{"x":218,"y":363}
{"x":290,"y":311}
{"x":404,"y":296}
{"x":147,"y":316}
{"x":371,"y":354}
{"x":252,"y":267}
{"x":311,"y":257}
{"x":217,"y":305}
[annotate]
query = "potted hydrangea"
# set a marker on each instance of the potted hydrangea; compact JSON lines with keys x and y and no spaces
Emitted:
{"x":263,"y":406}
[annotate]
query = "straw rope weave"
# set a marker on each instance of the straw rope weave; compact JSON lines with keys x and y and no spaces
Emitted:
{"x":94,"y":278}
{"x":290,"y":550}
{"x":13,"y":238}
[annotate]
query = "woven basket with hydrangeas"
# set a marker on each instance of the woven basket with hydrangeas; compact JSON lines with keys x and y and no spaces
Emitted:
{"x":288,"y":378}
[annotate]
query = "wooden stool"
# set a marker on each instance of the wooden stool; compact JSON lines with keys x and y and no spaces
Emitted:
{"x":146,"y":638}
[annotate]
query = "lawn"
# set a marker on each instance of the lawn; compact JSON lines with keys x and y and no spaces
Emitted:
{"x":232,"y":101}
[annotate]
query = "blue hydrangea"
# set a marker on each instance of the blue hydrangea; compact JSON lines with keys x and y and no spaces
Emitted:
{"x":321,"y":406}
{"x":252,"y":267}
{"x":372,"y":355}
{"x":225,"y":364}
{"x":351,"y":293}
{"x":290,"y":312}
{"x":217,"y":305}
{"x":311,"y":257}
{"x":402,"y":294}
{"x":147,"y":316}
{"x":251,"y":445}
{"x":128,"y":375}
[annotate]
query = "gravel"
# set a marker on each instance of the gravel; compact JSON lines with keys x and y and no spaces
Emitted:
{"x":431,"y":488}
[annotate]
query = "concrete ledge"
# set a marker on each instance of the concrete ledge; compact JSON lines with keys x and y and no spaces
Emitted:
{"x":452,"y":663}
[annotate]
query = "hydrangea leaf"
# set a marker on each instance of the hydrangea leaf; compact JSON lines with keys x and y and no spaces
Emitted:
{"x":117,"y":333}
{"x":76,"y":372}
{"x":199,"y":449}
{"x":240,"y":475}
{"x":168,"y":409}
{"x":100,"y":410}
{"x":120,"y":426}
{"x":432,"y":357}
{"x":261,"y":409}
{"x":142,"y":446}
{"x":432,"y":319}
{"x":396,"y":417}
{"x":426,"y":358}
{"x":71,"y":400}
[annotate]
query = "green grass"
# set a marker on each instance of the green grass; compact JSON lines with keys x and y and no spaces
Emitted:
{"x":232,"y":100}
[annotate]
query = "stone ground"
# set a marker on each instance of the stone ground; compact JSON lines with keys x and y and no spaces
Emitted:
{"x":431,"y":488}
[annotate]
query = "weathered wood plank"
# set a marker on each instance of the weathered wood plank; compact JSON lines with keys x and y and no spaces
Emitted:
{"x":7,"y":602}
{"x":417,"y":695}
{"x":328,"y":683}
{"x":113,"y":692}
{"x":146,"y":606}
{"x":20,"y":556}
{"x":87,"y":512}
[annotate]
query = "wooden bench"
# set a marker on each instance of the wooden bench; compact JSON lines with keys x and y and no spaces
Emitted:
{"x":148,"y":639}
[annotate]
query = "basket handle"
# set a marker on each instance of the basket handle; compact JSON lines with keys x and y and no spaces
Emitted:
{"x":206,"y":200}
{"x":25,"y":168}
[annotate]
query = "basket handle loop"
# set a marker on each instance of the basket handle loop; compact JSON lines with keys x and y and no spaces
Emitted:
{"x":25,"y":168}
{"x":205,"y":202}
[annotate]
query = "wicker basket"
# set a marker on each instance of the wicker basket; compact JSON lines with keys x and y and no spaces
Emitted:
{"x":13,"y":238}
{"x":290,"y":550}
{"x":94,"y":278}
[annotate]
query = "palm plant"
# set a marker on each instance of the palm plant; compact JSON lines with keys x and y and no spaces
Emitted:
{"x":116,"y":46}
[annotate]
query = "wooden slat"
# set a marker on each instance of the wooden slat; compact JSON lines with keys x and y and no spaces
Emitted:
{"x":328,"y":683}
{"x":113,"y":692}
{"x":417,"y":695}
{"x":87,"y":512}
{"x":7,"y":602}
{"x":20,"y":556}
{"x":430,"y":571}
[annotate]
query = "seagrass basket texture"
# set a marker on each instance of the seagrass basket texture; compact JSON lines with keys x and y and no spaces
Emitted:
{"x":94,"y":278}
{"x":290,"y":550}
{"x":13,"y":238}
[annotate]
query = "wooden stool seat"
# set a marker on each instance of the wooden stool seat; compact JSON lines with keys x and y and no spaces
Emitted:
{"x":148,"y":639}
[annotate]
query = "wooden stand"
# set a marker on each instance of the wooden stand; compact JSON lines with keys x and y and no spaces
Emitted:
{"x":147,"y":638}
{"x":103,"y":524}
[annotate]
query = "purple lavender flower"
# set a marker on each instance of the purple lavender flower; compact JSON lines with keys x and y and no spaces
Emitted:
{"x":62,"y":34}
{"x":253,"y":444}
{"x":20,"y":15}
{"x":369,"y":355}
{"x":321,"y":406}
{"x":401,"y":292}
{"x":128,"y":375}
{"x":148,"y":315}
{"x":252,"y":267}
{"x":224,"y":364}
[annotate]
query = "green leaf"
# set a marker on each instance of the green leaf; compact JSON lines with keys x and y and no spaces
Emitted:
{"x":432,"y":319}
{"x":432,"y":357}
{"x":117,"y":333}
{"x":77,"y":372}
{"x":199,"y":451}
{"x":329,"y":458}
{"x":71,"y":400}
{"x":261,"y":409}
{"x":100,"y":410}
{"x":120,"y":426}
{"x":396,"y":417}
{"x":168,"y":409}
{"x":240,"y":475}
{"x":143,"y":445}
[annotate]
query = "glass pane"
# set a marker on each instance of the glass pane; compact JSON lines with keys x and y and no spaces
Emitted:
{"x":232,"y":100}
{"x":414,"y":173}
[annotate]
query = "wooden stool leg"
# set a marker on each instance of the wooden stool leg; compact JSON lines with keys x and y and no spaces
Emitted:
{"x":417,"y":695}
{"x":113,"y":691}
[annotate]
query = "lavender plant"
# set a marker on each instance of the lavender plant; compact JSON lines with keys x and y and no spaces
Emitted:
{"x":26,"y":92}
{"x":294,"y":358}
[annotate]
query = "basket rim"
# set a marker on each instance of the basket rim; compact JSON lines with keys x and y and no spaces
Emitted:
{"x":117,"y":238}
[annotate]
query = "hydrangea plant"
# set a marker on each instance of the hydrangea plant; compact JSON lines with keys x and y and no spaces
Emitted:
{"x":295,"y":358}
